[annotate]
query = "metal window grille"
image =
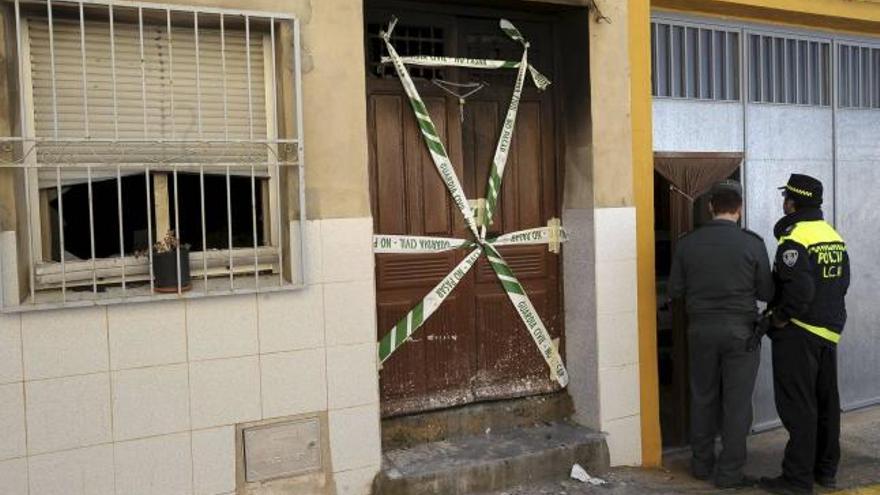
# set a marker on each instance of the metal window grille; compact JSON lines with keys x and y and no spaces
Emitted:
{"x":174,"y":119}
{"x":858,"y":76}
{"x":408,"y":40}
{"x":789,"y":70}
{"x":694,"y":61}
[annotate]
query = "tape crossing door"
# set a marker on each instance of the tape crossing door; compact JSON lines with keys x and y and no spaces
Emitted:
{"x":475,"y":346}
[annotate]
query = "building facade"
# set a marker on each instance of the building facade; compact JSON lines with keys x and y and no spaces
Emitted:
{"x":272,"y":141}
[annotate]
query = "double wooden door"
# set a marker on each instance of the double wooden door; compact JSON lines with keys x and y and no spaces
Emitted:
{"x":474,"y":347}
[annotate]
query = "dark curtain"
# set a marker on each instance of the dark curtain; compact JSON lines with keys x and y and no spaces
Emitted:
{"x":691,"y":175}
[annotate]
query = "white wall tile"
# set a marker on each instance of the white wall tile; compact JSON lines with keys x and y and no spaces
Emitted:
{"x":10,"y":348}
{"x":351,"y":312}
{"x":150,"y":401}
{"x":313,"y":254}
{"x":63,"y":343}
{"x":619,"y":392}
{"x":615,"y":234}
{"x":213,"y":460}
{"x":12,"y":430}
{"x":154,"y":466}
{"x":294,"y":383}
{"x":66,"y":413}
{"x":224,"y":391}
{"x":354,"y":438}
{"x":616,"y":287}
{"x":14,"y":474}
{"x":292,"y":320}
{"x":347,"y":252}
{"x":352,"y":375}
{"x":220,"y":327}
{"x":618,"y":338}
{"x":147,"y":334}
{"x":355,"y":482}
{"x":625,"y":441}
{"x":87,"y":471}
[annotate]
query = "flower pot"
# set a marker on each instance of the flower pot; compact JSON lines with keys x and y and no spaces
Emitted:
{"x":165,"y":271}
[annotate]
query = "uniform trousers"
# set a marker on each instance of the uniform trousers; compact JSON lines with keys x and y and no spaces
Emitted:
{"x":808,"y":402}
{"x":722,"y":378}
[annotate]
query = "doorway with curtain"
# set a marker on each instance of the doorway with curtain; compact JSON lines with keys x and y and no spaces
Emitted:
{"x":681,"y":181}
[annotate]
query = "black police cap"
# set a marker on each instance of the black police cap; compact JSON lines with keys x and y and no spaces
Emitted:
{"x":804,"y":189}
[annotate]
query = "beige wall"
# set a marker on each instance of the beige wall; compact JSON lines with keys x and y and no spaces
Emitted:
{"x":612,"y":128}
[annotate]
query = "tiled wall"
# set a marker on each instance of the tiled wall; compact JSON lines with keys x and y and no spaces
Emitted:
{"x":143,"y":399}
{"x":617,"y":332}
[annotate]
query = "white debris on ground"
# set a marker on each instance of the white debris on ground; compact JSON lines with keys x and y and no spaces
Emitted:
{"x":581,"y":474}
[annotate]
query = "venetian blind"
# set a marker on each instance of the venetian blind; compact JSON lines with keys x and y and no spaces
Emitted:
{"x":174,"y":98}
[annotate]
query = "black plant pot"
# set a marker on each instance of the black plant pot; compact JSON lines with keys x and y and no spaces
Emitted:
{"x":165,"y":271}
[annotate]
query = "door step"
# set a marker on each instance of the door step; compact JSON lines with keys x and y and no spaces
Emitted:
{"x":474,"y":419}
{"x":492,"y":461}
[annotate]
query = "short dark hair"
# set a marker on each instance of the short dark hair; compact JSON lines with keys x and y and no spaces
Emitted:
{"x":725,"y":202}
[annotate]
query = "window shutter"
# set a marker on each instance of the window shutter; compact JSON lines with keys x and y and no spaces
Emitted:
{"x":180,"y":103}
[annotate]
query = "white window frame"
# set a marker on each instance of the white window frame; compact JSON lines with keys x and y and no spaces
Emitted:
{"x":244,"y":268}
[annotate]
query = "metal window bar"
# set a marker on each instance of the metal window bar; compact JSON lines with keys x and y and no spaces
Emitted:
{"x":654,"y":88}
{"x":37,"y":146}
{"x":147,"y":178}
{"x":712,"y":65}
{"x":86,"y":132}
{"x":226,"y":135}
{"x":62,"y":252}
{"x":29,"y":227}
{"x":670,"y":61}
{"x":250,"y":97}
{"x":853,"y":95}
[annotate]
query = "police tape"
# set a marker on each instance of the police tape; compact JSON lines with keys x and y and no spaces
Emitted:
{"x":527,"y":313}
{"x":417,"y":244}
{"x":429,"y":133}
{"x":403,"y":330}
{"x":411,"y":322}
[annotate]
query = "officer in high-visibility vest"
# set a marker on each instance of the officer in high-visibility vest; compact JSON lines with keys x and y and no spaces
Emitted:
{"x":808,"y":315}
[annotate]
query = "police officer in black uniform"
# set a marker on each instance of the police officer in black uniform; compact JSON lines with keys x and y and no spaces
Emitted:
{"x":808,"y":315}
{"x":721,"y":270}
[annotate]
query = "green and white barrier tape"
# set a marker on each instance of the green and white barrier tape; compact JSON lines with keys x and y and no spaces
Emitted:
{"x":527,"y":313}
{"x":429,"y":132}
{"x":540,"y":80}
{"x":404,"y":328}
{"x":539,"y":235}
{"x":415,"y":244}
{"x":426,"y":307}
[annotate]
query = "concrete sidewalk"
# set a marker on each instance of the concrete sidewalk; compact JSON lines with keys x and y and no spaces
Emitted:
{"x":859,"y":468}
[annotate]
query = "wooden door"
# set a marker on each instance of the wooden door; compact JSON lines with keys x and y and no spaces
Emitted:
{"x":474,"y":347}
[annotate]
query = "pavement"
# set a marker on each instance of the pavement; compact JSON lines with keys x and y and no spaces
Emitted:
{"x":859,"y":468}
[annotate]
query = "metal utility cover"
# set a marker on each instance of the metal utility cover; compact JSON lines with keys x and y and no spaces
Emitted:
{"x":282,"y":450}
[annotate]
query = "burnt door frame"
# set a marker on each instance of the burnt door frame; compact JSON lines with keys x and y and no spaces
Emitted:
{"x":452,"y":19}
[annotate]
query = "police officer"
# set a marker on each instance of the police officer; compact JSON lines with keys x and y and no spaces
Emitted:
{"x":720,"y":270}
{"x":808,"y":314}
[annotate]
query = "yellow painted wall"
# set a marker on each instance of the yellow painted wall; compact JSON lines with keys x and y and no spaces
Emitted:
{"x":643,"y":185}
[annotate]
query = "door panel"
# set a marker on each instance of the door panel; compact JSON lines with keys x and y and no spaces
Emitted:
{"x":474,"y":347}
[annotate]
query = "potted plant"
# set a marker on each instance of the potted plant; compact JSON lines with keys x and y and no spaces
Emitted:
{"x":165,"y":258}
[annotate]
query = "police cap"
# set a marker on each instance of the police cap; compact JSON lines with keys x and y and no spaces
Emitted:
{"x":803,"y":189}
